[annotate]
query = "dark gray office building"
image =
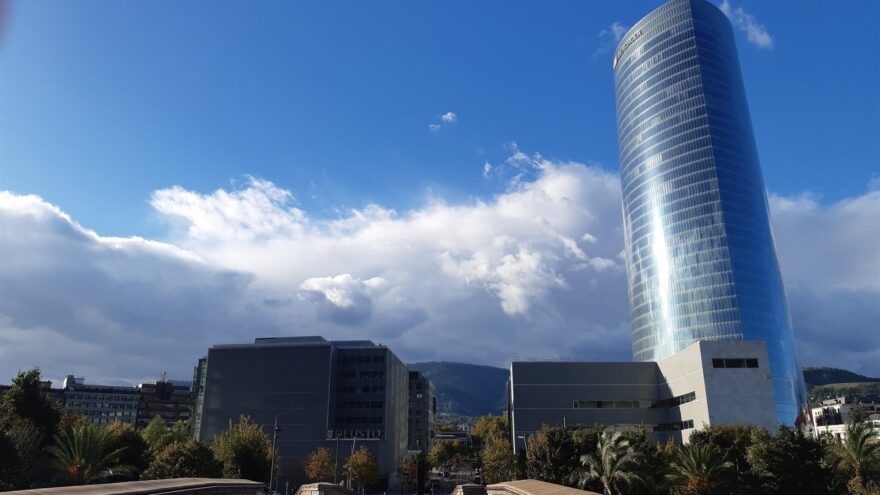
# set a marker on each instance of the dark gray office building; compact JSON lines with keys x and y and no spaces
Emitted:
{"x":338,"y":395}
{"x":422,"y":412}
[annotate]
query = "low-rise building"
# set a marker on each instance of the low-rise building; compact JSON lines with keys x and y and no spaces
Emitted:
{"x":709,"y":382}
{"x":102,"y":404}
{"x":832,"y":415}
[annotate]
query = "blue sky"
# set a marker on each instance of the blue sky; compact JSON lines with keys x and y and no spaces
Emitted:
{"x":105,"y":102}
{"x":179,"y":174}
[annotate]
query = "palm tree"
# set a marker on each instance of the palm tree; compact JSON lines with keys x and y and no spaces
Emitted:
{"x":81,"y":454}
{"x":698,"y":468}
{"x":860,"y":449}
{"x":613,"y":463}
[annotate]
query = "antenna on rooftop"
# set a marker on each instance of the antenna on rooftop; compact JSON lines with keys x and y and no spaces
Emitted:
{"x":164,"y":376}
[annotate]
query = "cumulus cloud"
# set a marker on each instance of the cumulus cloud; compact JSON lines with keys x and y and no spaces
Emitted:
{"x":756,"y":33}
{"x":830,"y":258}
{"x":447,"y":119}
{"x":343,"y":298}
{"x":609,"y":38}
{"x":534,"y":272}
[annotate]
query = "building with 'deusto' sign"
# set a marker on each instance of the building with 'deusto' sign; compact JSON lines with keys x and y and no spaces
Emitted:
{"x":339,"y":395}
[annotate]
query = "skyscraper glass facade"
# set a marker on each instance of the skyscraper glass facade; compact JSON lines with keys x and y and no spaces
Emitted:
{"x":701,"y":260}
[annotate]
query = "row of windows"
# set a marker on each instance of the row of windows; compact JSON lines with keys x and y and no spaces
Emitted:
{"x":360,"y":404}
{"x":684,"y":80}
{"x":103,"y":397}
{"x":635,"y":404}
{"x":656,"y":30}
{"x":735,"y":363}
{"x":361,"y":374}
{"x":677,"y":426}
{"x":358,"y":420}
{"x":677,"y":400}
{"x":98,"y":405}
{"x":366,"y":389}
{"x":682,"y":54}
{"x":361,"y":359}
{"x":655,"y":55}
{"x":680,"y":168}
{"x":686,"y":93}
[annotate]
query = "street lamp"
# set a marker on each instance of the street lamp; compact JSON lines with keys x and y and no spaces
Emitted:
{"x":525,"y":442}
{"x":272,"y":464}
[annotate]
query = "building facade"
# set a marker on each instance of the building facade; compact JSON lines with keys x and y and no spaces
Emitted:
{"x":339,"y":395}
{"x":700,"y":254}
{"x":832,"y":415}
{"x":706,"y":383}
{"x":422,"y":412}
{"x":101,"y":404}
{"x":169,"y":400}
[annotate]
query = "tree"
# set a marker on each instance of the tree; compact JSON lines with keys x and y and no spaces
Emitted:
{"x":788,"y":462}
{"x":155,"y":433}
{"x":444,"y":454}
{"x":25,"y":399}
{"x":190,"y":459}
{"x":408,"y":471}
{"x":10,"y":465}
{"x":498,"y":460}
{"x":81,"y":455}
{"x":27,"y":439}
{"x":613,"y":464}
{"x":244,"y":450}
{"x":320,"y":466}
{"x":490,"y":427}
{"x":362,"y":467}
{"x":134,"y":450}
{"x":551,"y":455}
{"x":158,"y":435}
{"x":857,"y":413}
{"x":29,"y":419}
{"x":860,"y":451}
{"x":699,"y":468}
{"x":733,"y":441}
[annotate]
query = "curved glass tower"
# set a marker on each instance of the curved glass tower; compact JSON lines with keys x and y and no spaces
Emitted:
{"x":701,"y":260}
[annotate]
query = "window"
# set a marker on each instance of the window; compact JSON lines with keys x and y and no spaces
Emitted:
{"x":735,"y":363}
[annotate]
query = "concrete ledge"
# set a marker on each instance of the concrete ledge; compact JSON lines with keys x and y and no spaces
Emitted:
{"x":177,"y":486}
{"x":533,"y":487}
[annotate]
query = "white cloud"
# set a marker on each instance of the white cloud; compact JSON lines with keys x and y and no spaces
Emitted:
{"x":534,"y":271}
{"x":756,"y":33}
{"x":343,"y":298}
{"x":487,"y":169}
{"x":609,"y":38}
{"x":447,"y":119}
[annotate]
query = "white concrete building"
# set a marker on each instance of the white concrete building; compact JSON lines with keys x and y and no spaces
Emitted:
{"x":708,"y":382}
{"x":832,"y":416}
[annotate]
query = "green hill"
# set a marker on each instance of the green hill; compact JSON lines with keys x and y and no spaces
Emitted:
{"x":466,"y":389}
{"x":824,"y":376}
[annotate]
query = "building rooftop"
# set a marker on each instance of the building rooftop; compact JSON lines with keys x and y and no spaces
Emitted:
{"x":534,"y":487}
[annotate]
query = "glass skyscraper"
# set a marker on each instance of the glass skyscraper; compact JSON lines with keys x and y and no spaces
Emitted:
{"x":701,"y":260}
